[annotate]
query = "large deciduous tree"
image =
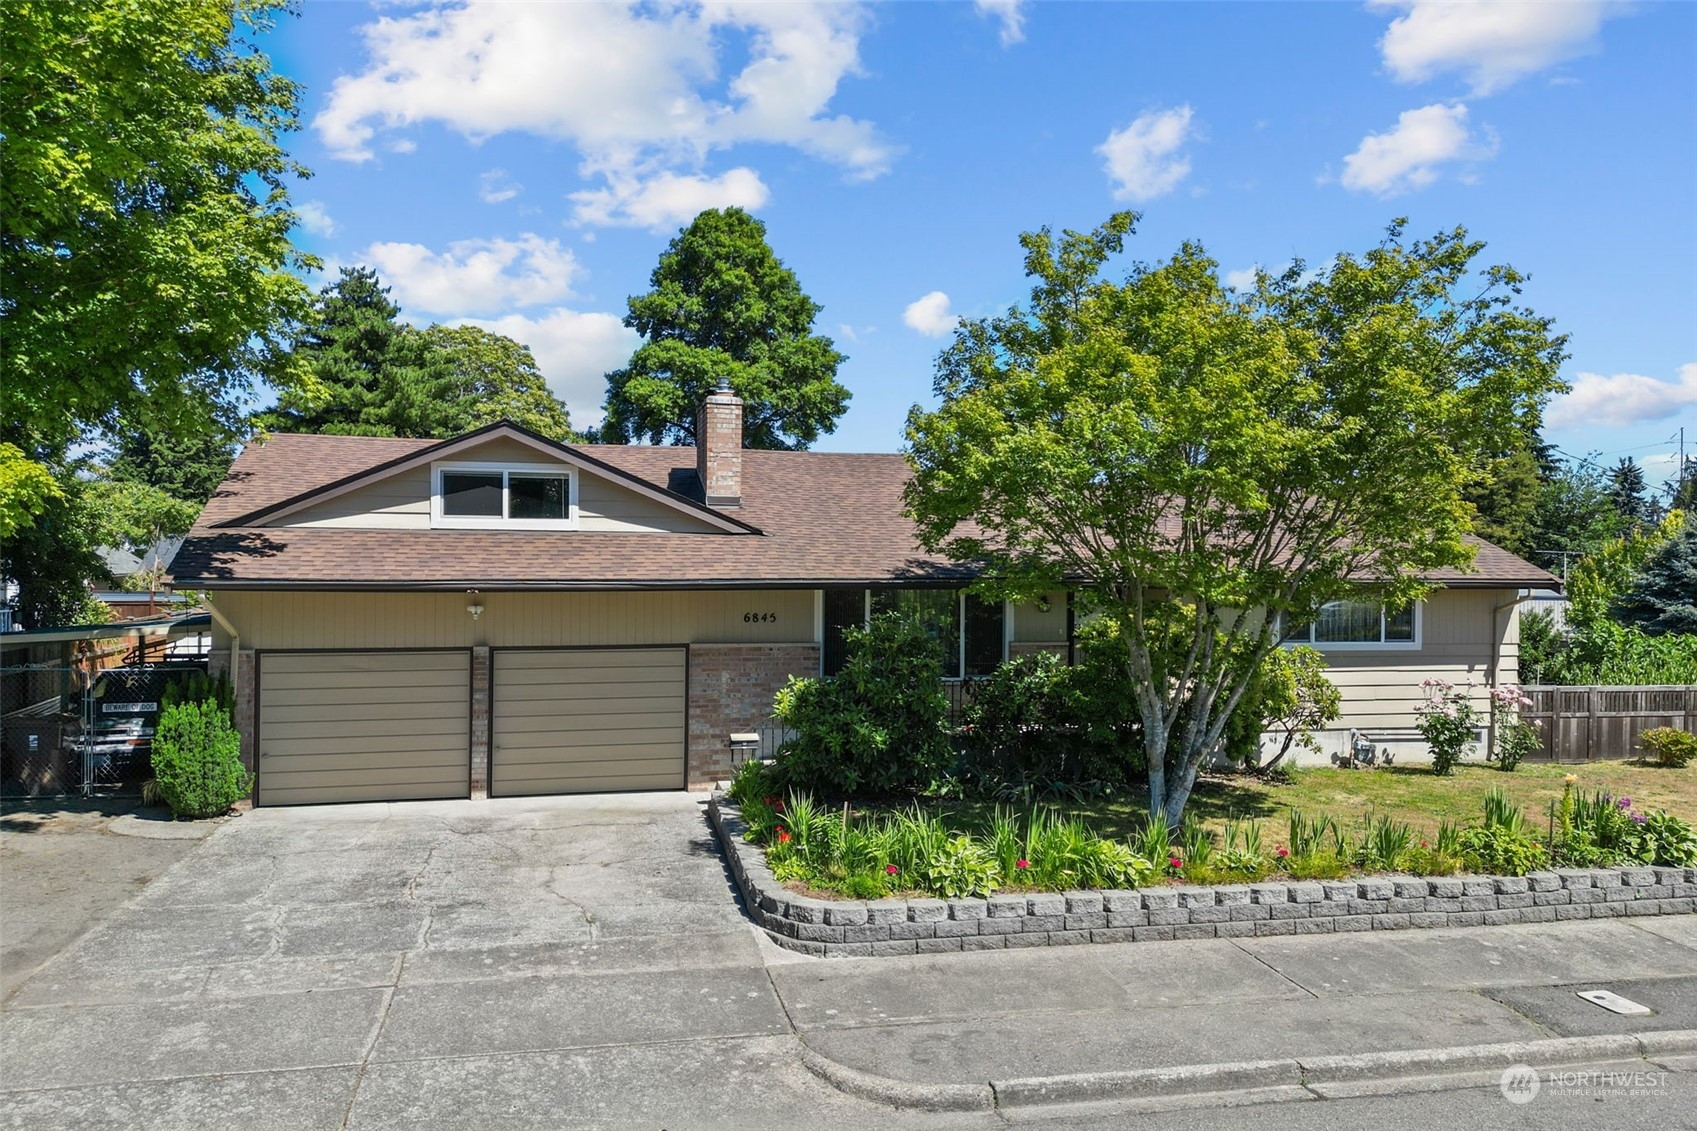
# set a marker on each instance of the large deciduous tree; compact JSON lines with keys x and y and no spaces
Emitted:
{"x":724,"y":306}
{"x":144,"y":212}
{"x":378,"y":376}
{"x":1209,"y":465}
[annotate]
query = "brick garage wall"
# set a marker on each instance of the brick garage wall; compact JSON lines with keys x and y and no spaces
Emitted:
{"x":218,"y":663}
{"x":730,"y":689}
{"x":480,"y":721}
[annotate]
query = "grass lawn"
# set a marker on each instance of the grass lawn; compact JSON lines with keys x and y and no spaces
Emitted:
{"x":1406,"y":793}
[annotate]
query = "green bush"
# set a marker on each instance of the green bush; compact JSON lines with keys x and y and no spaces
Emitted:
{"x":198,"y":687}
{"x":1447,"y":721}
{"x":1661,"y":838}
{"x":1041,"y":722}
{"x":197,"y":760}
{"x":1670,"y":746}
{"x":877,"y":727}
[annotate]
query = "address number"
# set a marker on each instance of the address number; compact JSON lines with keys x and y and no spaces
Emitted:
{"x":759,"y":618}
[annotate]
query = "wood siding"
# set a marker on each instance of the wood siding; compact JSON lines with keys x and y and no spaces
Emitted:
{"x":1033,"y":624}
{"x":1381,"y":687}
{"x":402,"y":501}
{"x":311,"y":619}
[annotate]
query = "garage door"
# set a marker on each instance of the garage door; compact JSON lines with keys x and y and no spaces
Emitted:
{"x":363,"y":726}
{"x":587,"y":721}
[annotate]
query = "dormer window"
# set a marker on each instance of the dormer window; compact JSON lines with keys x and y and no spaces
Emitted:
{"x":504,"y":496}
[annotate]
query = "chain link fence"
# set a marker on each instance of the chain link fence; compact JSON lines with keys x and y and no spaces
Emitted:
{"x":80,"y":730}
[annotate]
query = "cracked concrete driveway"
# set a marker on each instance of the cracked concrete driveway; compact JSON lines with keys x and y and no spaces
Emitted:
{"x":551,"y":962}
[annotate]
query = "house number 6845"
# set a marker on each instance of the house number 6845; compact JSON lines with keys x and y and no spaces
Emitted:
{"x":759,"y":618}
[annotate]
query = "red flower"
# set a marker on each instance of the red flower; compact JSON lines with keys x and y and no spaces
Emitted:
{"x":783,"y":836}
{"x":1422,"y":844}
{"x":1175,"y":862}
{"x":890,"y":869}
{"x":1022,"y":863}
{"x":1283,"y":852}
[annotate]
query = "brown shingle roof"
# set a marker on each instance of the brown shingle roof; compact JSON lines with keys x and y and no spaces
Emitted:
{"x":826,"y":518}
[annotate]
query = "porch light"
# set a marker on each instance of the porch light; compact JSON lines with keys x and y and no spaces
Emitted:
{"x":474,"y":606}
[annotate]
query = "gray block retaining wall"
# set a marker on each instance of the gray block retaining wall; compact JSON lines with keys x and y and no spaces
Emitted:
{"x":849,"y":927}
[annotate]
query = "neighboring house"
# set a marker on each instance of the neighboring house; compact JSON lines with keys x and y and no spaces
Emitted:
{"x":144,"y":597}
{"x":502,"y":614}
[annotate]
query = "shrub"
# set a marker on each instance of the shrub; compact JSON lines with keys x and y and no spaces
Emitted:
{"x":197,"y":760}
{"x":1670,"y":746}
{"x":1447,"y":720}
{"x":198,"y":687}
{"x":1516,"y":738}
{"x":1297,"y":700}
{"x":878,"y":727}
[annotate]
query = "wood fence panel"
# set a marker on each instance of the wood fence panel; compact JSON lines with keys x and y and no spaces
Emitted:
{"x":1588,"y":724}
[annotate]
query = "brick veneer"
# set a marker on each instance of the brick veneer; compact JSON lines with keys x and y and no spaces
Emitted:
{"x":480,"y":721}
{"x":730,"y":689}
{"x":218,"y":663}
{"x":852,"y":927}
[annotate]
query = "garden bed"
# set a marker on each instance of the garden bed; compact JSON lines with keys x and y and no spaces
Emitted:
{"x":852,"y":927}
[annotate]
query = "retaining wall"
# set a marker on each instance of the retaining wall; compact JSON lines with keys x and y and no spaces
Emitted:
{"x":843,"y":928}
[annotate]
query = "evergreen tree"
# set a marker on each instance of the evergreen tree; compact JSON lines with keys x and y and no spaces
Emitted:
{"x":186,"y":463}
{"x":1504,"y":495}
{"x":723,"y":305}
{"x":1574,"y":515}
{"x":1627,"y":493}
{"x":1663,"y":597}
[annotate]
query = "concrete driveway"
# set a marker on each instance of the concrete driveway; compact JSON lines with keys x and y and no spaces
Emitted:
{"x":552,"y":962}
{"x":582,"y":962}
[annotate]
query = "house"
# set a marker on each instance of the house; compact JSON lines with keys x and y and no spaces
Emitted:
{"x":498,"y":614}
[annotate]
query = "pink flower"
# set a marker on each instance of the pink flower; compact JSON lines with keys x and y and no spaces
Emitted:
{"x":890,"y":869}
{"x":1175,"y":862}
{"x":1624,"y":802}
{"x":1022,"y":863}
{"x":1282,"y":852}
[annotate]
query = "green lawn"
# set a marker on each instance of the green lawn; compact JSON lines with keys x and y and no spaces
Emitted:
{"x":1407,"y":793}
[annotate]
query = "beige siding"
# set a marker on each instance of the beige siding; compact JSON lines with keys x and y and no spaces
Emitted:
{"x":1033,"y":624}
{"x":1458,"y":639}
{"x":604,"y":505}
{"x":587,"y":721}
{"x":364,"y":726}
{"x":310,"y":619}
{"x":402,"y":501}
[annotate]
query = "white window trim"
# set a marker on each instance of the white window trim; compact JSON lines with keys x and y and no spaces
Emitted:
{"x":438,"y":520}
{"x":1380,"y":645}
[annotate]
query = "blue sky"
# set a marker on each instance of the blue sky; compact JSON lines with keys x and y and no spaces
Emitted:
{"x":523,"y":165}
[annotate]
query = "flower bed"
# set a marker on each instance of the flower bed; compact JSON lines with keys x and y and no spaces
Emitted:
{"x":841,"y":852}
{"x":920,"y":925}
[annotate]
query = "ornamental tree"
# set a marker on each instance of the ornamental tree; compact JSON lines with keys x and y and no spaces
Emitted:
{"x":723,"y":305}
{"x":1204,"y":464}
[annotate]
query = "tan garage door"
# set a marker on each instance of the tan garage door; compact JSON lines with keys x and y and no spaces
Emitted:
{"x":363,"y":726}
{"x":587,"y":721}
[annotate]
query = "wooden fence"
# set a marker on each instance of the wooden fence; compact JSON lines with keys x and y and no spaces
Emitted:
{"x":1590,"y":724}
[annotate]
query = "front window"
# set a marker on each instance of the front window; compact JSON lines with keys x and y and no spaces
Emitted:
{"x":1359,"y":624}
{"x":970,"y":632}
{"x":529,"y":497}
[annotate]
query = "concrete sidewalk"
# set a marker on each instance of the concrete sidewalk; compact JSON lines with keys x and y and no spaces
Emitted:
{"x":971,"y":1018}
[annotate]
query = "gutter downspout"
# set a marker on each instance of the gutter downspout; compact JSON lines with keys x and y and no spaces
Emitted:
{"x":1496,"y":659}
{"x":236,"y":640}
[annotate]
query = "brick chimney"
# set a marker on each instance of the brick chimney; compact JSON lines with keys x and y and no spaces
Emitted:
{"x":718,"y":447}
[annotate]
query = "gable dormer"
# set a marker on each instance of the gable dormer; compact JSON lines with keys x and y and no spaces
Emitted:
{"x":498,"y":478}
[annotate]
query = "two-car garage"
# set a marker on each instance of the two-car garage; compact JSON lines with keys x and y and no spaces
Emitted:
{"x":398,"y":725}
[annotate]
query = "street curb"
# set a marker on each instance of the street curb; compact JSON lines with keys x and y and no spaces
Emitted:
{"x":1284,"y":1075}
{"x":899,"y":1093}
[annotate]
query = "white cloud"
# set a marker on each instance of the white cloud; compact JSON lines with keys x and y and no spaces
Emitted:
{"x":1144,"y":158}
{"x":1410,"y":154}
{"x":1242,"y":280}
{"x":496,"y":186}
{"x":475,"y":276}
{"x":574,"y":350}
{"x":315,"y":218}
{"x":1009,"y":13}
{"x":1623,"y":398}
{"x":666,"y":199}
{"x":930,"y":315}
{"x":1492,"y":43}
{"x":637,"y":89}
